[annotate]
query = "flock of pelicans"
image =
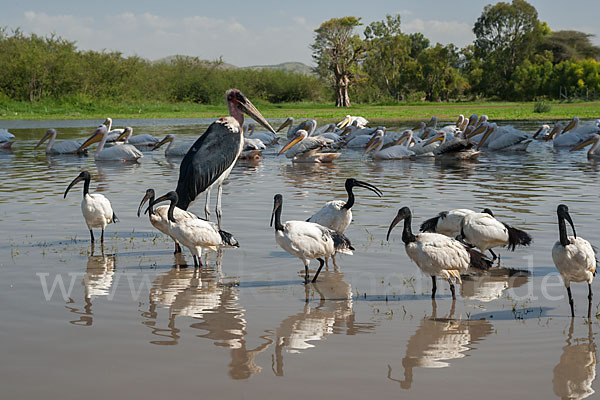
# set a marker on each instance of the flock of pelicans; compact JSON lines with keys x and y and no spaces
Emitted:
{"x":449,"y":245}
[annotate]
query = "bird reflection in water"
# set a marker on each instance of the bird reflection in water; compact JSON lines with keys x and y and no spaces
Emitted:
{"x":305,"y":176}
{"x":576,"y":370}
{"x":97,"y":281}
{"x":490,"y":286}
{"x":438,"y":341}
{"x":332,"y":315}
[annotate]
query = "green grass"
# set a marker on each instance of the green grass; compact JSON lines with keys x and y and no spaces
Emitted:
{"x":375,"y":113}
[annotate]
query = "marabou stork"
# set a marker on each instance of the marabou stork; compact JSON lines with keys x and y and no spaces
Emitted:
{"x":213,"y":155}
{"x":574,"y":258}
{"x":96,"y":208}
{"x":307,"y":240}
{"x":436,"y":254}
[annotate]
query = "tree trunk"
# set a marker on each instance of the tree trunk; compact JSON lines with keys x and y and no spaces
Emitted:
{"x":341,"y":92}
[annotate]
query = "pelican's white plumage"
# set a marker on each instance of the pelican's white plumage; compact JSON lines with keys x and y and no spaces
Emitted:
{"x":507,"y":138}
{"x":593,"y":152}
{"x":6,"y":139}
{"x":95,"y":207}
{"x":144,"y":139}
{"x":122,"y":152}
{"x":574,"y":134}
{"x":62,"y":147}
{"x":396,"y":152}
{"x":359,"y":122}
{"x":305,"y":148}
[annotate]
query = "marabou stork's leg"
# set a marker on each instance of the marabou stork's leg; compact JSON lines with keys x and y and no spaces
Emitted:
{"x":434,"y":288}
{"x":219,"y":213}
{"x":206,"y":205}
{"x":494,"y":256}
{"x":92,"y":236}
{"x":571,"y":301}
{"x":589,"y":300}
{"x":321,"y":261}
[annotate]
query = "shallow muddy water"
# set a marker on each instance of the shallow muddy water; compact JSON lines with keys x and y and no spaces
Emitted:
{"x":135,"y":321}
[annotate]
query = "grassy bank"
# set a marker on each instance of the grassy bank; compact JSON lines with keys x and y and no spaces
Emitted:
{"x":375,"y":113}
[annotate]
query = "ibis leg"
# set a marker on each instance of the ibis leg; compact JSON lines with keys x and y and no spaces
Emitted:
{"x":92,"y":236}
{"x":195,"y":261}
{"x":219,"y":213}
{"x":306,"y":273}
{"x":207,"y":205}
{"x":322,"y":262}
{"x":434,"y":287}
{"x":589,"y":300}
{"x":335,"y":266}
{"x":494,"y":256}
{"x":571,"y":301}
{"x":453,"y":290}
{"x":102,"y":238}
{"x":177,"y":248}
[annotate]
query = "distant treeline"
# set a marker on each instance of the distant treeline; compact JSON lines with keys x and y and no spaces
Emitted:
{"x":34,"y":68}
{"x":514,"y":57}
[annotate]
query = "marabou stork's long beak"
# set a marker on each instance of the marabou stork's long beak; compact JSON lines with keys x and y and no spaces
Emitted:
{"x":247,"y":107}
{"x":366,"y":185}
{"x":148,"y":196}
{"x":73,"y":183}
{"x":297,"y":138}
{"x":287,"y":122}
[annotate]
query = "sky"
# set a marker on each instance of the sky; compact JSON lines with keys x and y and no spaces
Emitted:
{"x":256,"y":32}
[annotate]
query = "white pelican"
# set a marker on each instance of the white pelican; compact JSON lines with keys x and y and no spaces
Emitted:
{"x":6,"y":139}
{"x":485,"y":232}
{"x":453,"y":149}
{"x":212,"y":157}
{"x":593,"y":151}
{"x":574,"y":258}
{"x":446,"y":223}
{"x":122,"y":152}
{"x":96,"y":208}
{"x":574,"y":134}
{"x":194,"y":233}
{"x":436,"y":254}
{"x":416,"y":145}
{"x":396,"y":152}
{"x":471,"y":124}
{"x":268,"y":138}
{"x":113,"y":134}
{"x":63,"y":147}
{"x":307,"y":240}
{"x":543,"y":133}
{"x":304,"y":148}
{"x":505,"y":138}
{"x":292,"y":129}
{"x":337,"y":214}
{"x":159,"y":216}
{"x":359,"y":122}
{"x":144,"y":139}
{"x":179,"y":150}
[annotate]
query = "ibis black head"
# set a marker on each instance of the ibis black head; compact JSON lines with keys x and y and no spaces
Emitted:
{"x":403,"y":213}
{"x":488,"y":211}
{"x":148,"y":196}
{"x":351,"y":182}
{"x":173,"y":198}
{"x":83,"y":176}
{"x":277,"y":203}
{"x":563,"y":214}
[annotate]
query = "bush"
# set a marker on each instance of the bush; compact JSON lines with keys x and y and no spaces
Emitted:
{"x":541,"y":107}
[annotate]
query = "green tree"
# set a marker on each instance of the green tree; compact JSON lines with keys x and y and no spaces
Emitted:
{"x":565,"y":45}
{"x":506,"y":35}
{"x":337,"y":50}
{"x":439,"y":78}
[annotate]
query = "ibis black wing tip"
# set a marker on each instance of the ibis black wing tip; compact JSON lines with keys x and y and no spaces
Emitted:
{"x":114,"y":218}
{"x":517,"y":237}
{"x":430,"y":225}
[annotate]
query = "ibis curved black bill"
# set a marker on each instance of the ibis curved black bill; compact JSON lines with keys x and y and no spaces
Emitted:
{"x":366,"y":185}
{"x":148,"y":196}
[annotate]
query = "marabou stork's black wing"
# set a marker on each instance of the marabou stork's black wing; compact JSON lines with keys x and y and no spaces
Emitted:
{"x":215,"y":151}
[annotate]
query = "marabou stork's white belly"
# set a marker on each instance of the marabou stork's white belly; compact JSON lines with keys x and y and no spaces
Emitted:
{"x":333,"y":216}
{"x":576,"y":262}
